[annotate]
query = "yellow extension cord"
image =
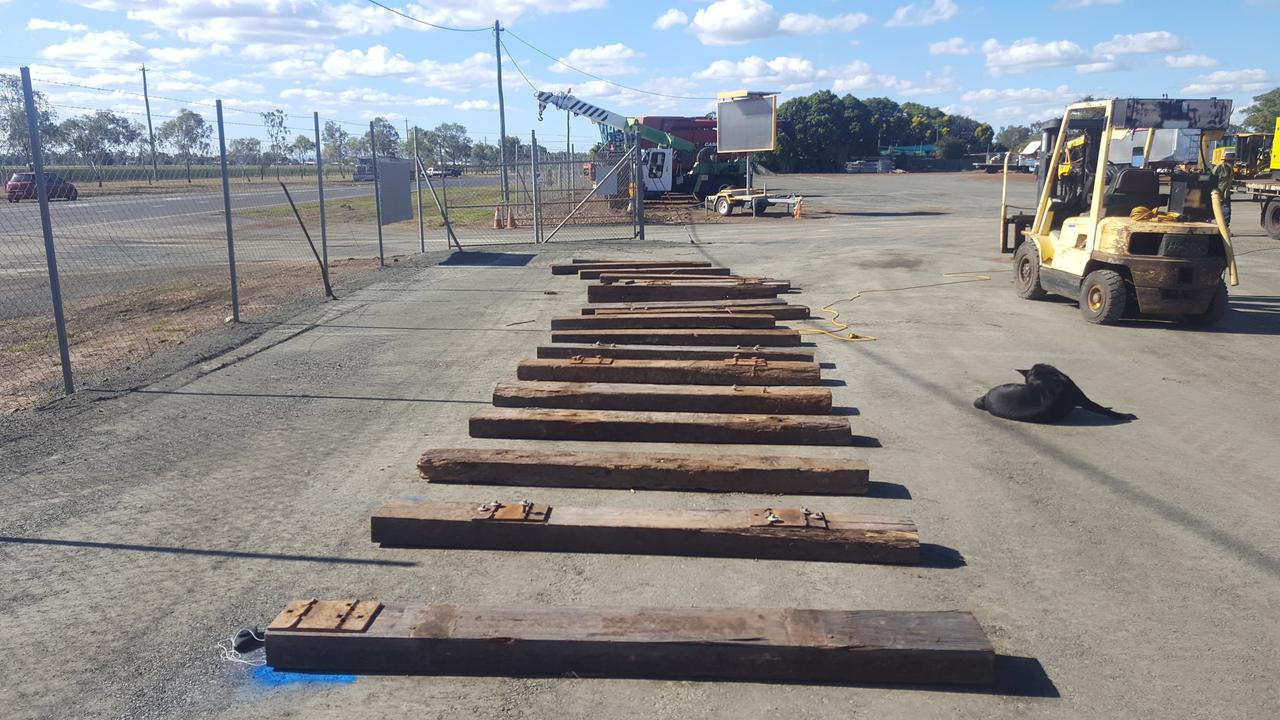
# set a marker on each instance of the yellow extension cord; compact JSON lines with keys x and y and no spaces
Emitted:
{"x":966,"y":277}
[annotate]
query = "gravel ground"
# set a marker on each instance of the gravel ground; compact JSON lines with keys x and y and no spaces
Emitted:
{"x":1121,"y":570}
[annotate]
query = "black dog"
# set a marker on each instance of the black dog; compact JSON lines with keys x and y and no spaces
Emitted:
{"x":1048,"y":396}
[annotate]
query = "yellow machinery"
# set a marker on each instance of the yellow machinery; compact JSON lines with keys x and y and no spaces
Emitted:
{"x":1114,"y":236}
{"x":1250,"y":154}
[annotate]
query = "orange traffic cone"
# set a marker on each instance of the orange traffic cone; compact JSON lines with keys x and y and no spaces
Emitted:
{"x":511,"y":220}
{"x":497,"y":218}
{"x":799,"y":208}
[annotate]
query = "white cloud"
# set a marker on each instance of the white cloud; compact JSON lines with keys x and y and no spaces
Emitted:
{"x":1224,"y":82}
{"x":932,"y":14}
{"x":476,"y":105}
{"x":734,"y":22}
{"x":358,"y":96}
{"x":478,"y":70}
{"x":671,"y":18}
{"x":1029,"y":54}
{"x":377,"y":62}
{"x":1105,"y":65}
{"x":267,"y":51}
{"x":1189,"y":61}
{"x":1140,"y":43}
{"x":286,"y":21}
{"x":60,"y":25}
{"x":235,"y":85}
{"x":810,"y":24}
{"x":97,"y":47}
{"x":787,"y":73}
{"x":615,"y":59}
{"x":292,"y":68}
{"x":183,"y":56}
{"x":1039,"y":96}
{"x":950,"y":46}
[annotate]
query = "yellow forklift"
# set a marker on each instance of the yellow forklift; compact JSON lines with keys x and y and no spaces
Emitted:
{"x":1116,"y":236}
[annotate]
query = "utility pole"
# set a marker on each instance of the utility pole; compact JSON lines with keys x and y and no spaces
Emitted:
{"x":151,"y":135}
{"x":502,"y":119}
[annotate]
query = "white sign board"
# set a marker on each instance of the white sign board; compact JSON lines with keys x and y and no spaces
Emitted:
{"x":747,"y":124}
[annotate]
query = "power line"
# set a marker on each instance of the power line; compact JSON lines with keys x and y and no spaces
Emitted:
{"x":517,"y":65}
{"x":424,"y":22}
{"x":597,"y":77}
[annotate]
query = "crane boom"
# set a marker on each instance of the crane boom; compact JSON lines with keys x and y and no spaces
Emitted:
{"x":599,"y":115}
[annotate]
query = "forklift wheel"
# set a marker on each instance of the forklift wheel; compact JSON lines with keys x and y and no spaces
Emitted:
{"x":724,"y":207}
{"x":1216,"y":311}
{"x":1103,"y":297}
{"x":1026,"y":271}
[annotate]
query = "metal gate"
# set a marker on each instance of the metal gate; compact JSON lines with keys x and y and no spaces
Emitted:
{"x":534,"y":198}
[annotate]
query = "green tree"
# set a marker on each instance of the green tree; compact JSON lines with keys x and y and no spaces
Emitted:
{"x":1261,"y":115}
{"x":818,"y":139}
{"x":303,"y":148}
{"x":187,"y":134}
{"x":96,"y":136}
{"x":983,"y":137}
{"x":950,"y":148}
{"x":14,"y":139}
{"x":276,"y":124}
{"x":245,"y":151}
{"x":453,"y":141}
{"x":386,"y":138}
{"x":1013,"y":137}
{"x":484,"y":154}
{"x":335,"y":140}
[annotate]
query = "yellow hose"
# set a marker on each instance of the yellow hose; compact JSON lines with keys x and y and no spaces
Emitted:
{"x":1216,"y":197}
{"x":966,"y":277}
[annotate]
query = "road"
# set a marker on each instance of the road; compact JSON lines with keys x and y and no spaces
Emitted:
{"x":1122,"y":571}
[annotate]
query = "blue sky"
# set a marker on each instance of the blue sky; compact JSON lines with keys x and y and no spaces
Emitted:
{"x":1003,"y":62}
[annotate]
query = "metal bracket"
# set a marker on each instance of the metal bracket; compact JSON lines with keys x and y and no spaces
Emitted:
{"x":340,"y":616}
{"x":590,"y":360}
{"x":788,"y":518}
{"x":751,"y":362}
{"x":523,"y":511}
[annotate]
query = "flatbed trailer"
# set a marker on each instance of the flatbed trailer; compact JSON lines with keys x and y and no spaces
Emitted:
{"x":758,"y":201}
{"x":1267,"y":194}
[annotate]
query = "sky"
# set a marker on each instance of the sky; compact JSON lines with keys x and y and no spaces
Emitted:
{"x":1000,"y":61}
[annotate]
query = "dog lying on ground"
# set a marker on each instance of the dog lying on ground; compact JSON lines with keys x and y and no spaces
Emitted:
{"x":1047,"y":396}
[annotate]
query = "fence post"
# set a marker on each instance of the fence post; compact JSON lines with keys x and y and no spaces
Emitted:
{"x":46,"y":227}
{"x":377,"y":198}
{"x":537,"y":206}
{"x":324,"y":234}
{"x":226,"y":211}
{"x":639,"y":183}
{"x":417,"y":186}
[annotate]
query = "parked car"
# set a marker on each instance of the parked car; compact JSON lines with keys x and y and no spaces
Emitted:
{"x":22,"y":186}
{"x":443,"y":172}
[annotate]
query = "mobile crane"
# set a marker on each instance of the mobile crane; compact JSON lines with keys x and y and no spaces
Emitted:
{"x":675,"y":165}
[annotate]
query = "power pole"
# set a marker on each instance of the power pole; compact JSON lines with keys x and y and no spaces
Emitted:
{"x":502,"y":119}
{"x":151,"y":135}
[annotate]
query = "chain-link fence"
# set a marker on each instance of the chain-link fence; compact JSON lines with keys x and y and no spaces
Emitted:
{"x":150,"y":216}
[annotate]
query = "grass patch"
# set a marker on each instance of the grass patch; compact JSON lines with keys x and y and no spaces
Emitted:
{"x":467,"y":206}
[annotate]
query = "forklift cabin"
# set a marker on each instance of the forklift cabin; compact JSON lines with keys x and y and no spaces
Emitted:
{"x":1111,"y":231}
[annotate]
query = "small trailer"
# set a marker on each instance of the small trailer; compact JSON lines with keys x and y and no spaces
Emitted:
{"x":729,"y":199}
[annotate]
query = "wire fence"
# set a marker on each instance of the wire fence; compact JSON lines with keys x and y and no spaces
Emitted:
{"x":145,"y":243}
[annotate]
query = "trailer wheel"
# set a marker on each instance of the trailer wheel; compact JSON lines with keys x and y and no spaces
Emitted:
{"x":724,"y":207}
{"x":1026,"y":271}
{"x":1103,"y":297}
{"x":1271,"y":218}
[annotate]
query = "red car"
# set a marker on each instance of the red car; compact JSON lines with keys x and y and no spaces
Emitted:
{"x":22,"y":186}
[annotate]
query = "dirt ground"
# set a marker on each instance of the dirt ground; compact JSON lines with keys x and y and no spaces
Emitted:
{"x":1121,"y":571}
